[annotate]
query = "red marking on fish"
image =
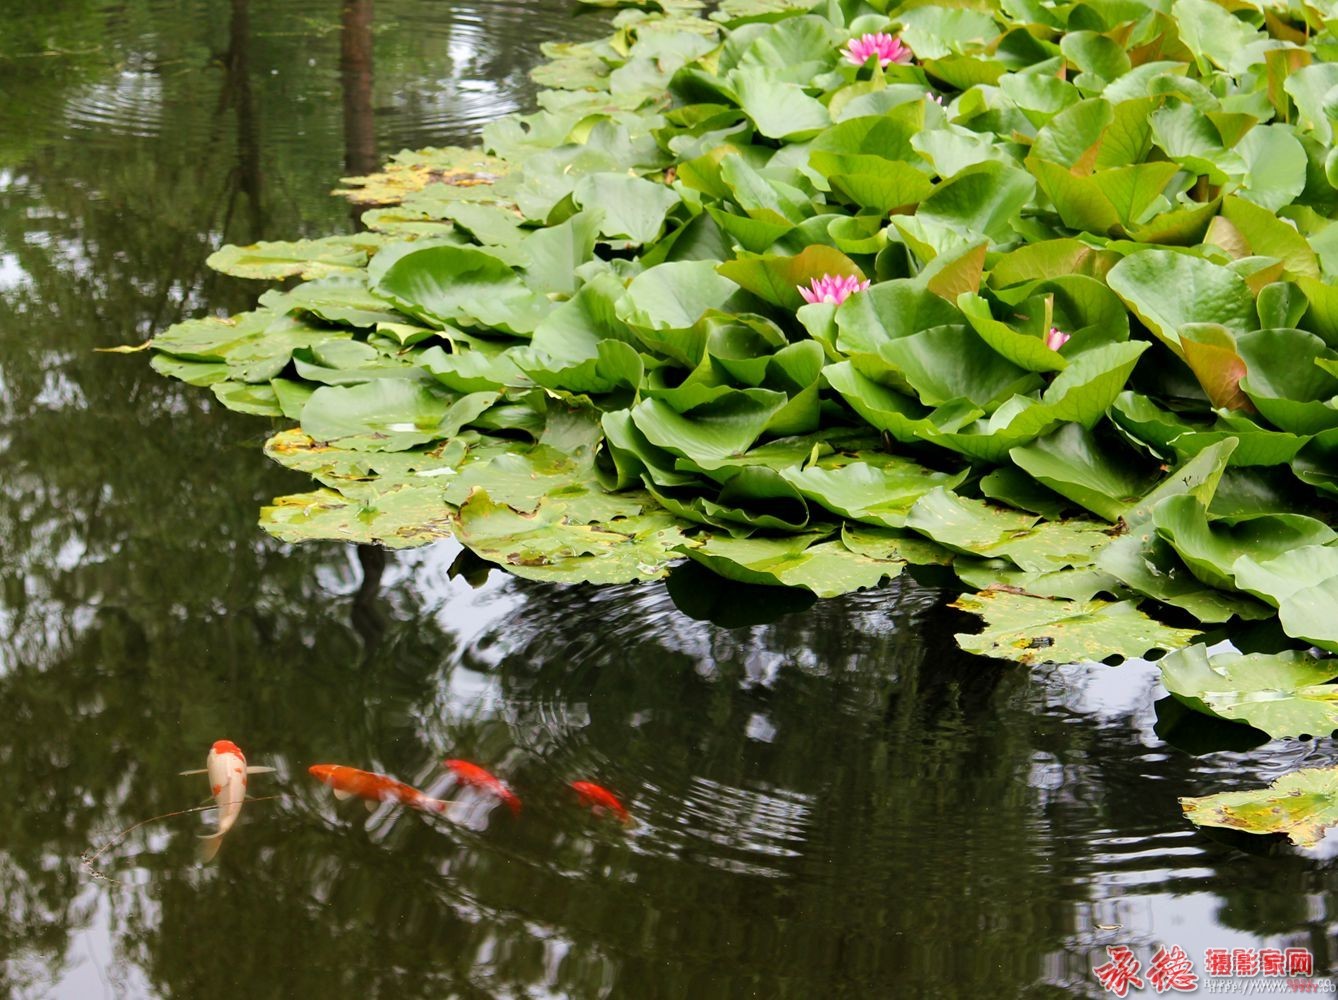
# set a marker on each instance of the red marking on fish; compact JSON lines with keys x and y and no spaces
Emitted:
{"x":375,"y":787}
{"x":471,"y":774}
{"x":600,"y":798}
{"x":227,"y":746}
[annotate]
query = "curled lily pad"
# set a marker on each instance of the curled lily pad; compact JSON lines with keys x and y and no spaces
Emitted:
{"x":1284,"y":694}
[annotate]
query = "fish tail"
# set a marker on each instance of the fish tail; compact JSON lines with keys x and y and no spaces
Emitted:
{"x":209,"y":845}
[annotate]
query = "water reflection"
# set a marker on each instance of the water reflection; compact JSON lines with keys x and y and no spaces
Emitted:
{"x":832,"y":802}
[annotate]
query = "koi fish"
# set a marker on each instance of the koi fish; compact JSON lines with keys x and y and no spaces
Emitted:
{"x":600,"y":799}
{"x":227,"y":769}
{"x":471,"y":774}
{"x":349,"y":781}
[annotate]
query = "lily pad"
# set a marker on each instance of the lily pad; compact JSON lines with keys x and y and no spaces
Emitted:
{"x":548,"y":543}
{"x":1303,"y":805}
{"x":1283,"y":694}
{"x":1037,"y":630}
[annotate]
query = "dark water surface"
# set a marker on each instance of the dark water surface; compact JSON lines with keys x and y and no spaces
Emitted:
{"x":837,"y":803}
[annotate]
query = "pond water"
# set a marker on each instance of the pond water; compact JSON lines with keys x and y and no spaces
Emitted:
{"x":829,"y":799}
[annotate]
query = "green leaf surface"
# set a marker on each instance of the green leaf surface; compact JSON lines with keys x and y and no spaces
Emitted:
{"x":1303,"y":805}
{"x":1039,"y":630}
{"x":1283,"y":694}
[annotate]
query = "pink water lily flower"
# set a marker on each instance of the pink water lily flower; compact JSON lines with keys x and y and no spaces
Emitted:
{"x":833,"y":288}
{"x":888,"y":48}
{"x":1056,"y":338}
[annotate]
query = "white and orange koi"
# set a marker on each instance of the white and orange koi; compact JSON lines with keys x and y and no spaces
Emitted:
{"x":227,"y":769}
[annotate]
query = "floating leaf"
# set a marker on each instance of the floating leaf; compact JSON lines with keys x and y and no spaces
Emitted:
{"x":549,"y":543}
{"x":825,"y":568}
{"x":306,"y":259}
{"x":1283,"y":694}
{"x":1303,"y":805}
{"x":401,"y":516}
{"x":1037,"y":630}
{"x":1167,"y":289}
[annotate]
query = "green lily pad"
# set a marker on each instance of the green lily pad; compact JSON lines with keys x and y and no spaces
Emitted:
{"x":400,"y":516}
{"x":1303,"y":805}
{"x":827,"y":568}
{"x":1038,"y":630}
{"x":1166,"y":290}
{"x":554,"y":543}
{"x":1283,"y":694}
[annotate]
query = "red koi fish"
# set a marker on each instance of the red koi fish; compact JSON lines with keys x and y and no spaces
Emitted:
{"x":600,"y":799}
{"x":227,"y":769}
{"x":471,"y":774}
{"x":349,"y":781}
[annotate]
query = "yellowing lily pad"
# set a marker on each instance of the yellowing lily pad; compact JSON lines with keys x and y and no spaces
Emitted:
{"x":1303,"y":805}
{"x":410,"y":172}
{"x":402,"y":516}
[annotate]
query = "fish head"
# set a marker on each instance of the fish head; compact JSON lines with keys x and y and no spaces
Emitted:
{"x":323,"y":772}
{"x":466,"y":770}
{"x":227,"y":746}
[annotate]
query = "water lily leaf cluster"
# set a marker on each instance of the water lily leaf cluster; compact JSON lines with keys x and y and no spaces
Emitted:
{"x":1041,"y":292}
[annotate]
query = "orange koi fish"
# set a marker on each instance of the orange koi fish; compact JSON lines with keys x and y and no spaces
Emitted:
{"x":471,"y":774}
{"x":349,"y":781}
{"x":227,"y":769}
{"x":600,"y":799}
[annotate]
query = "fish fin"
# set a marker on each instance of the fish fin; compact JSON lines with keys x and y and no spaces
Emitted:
{"x":209,"y":845}
{"x":370,"y":804}
{"x":341,"y":795}
{"x":201,"y":770}
{"x":258,"y":769}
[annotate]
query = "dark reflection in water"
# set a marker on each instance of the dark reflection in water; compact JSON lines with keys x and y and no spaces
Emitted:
{"x":834,"y":803}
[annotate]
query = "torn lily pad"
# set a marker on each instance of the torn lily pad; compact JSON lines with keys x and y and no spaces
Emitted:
{"x":1037,"y":630}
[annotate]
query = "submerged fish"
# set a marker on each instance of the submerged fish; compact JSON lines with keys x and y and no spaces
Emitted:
{"x":349,"y":781}
{"x":599,"y":798}
{"x":471,"y":774}
{"x":227,"y":769}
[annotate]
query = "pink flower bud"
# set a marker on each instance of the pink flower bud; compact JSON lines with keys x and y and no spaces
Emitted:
{"x":1056,"y":338}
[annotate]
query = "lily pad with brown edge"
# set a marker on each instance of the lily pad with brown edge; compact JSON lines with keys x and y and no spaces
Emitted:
{"x":401,"y":516}
{"x":1283,"y":694}
{"x":1038,"y":630}
{"x":411,"y":171}
{"x":548,"y":544}
{"x":1302,"y":805}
